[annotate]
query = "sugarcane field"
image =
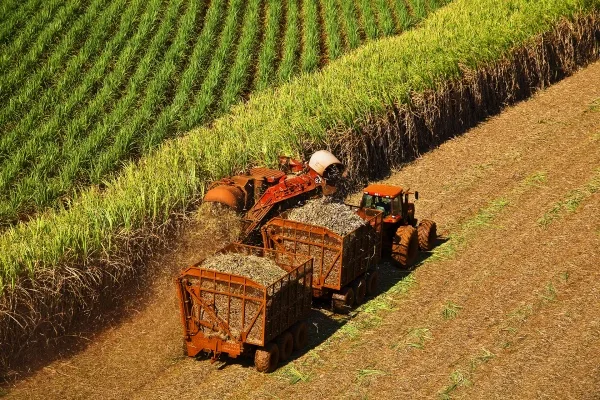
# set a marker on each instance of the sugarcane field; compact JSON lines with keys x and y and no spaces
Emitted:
{"x":300,"y":199}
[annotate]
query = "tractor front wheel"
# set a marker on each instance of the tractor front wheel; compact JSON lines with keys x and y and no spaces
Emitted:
{"x":405,"y":246}
{"x":427,"y":234}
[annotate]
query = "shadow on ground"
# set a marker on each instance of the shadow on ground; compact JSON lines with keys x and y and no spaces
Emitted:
{"x":323,"y":323}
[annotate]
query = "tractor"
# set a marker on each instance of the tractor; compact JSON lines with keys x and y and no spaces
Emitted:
{"x":402,"y":236}
{"x":264,"y":191}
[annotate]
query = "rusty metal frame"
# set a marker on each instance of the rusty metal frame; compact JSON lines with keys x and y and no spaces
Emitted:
{"x":279,"y":315}
{"x":280,"y":229}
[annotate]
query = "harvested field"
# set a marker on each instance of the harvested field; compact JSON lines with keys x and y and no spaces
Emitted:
{"x":503,"y":309}
{"x":325,"y":212}
{"x":260,"y":269}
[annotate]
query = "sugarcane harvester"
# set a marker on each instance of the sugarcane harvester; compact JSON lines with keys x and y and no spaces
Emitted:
{"x":264,"y":190}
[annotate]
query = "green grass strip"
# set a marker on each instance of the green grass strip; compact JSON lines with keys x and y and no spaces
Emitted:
{"x":311,"y":52}
{"x":291,"y":42}
{"x":369,"y":23}
{"x":405,"y":20}
{"x":332,"y":29}
{"x":385,"y":18}
{"x":15,"y":16}
{"x":26,"y":94}
{"x":357,"y":87}
{"x":239,"y":76}
{"x":351,"y":24}
{"x":47,"y":17}
{"x":267,"y":59}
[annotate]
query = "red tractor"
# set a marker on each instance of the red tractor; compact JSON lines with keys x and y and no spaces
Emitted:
{"x":402,"y":236}
{"x":265,"y":191}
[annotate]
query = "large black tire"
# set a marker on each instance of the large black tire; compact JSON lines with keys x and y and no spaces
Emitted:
{"x":359,"y":286}
{"x":342,"y":302}
{"x":266,"y":358}
{"x":300,"y":334}
{"x":372,"y":283}
{"x":427,"y":234}
{"x":405,"y":246}
{"x":285,"y":342}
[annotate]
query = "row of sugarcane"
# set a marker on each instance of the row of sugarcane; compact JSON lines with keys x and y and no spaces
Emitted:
{"x":125,"y":75}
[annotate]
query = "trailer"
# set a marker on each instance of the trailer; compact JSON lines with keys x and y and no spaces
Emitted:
{"x":235,"y":315}
{"x":345,"y":267}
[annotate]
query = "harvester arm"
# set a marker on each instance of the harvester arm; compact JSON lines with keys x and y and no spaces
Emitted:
{"x":284,"y":190}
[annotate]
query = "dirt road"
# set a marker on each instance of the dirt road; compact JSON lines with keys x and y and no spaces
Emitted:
{"x":507,"y":307}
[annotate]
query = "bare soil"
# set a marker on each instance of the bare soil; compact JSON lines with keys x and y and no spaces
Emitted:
{"x":506,"y":307}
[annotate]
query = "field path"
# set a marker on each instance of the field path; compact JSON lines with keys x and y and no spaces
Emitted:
{"x":507,"y":307}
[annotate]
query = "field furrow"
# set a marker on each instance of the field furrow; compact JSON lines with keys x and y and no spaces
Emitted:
{"x":16,"y":15}
{"x":311,"y":36}
{"x":289,"y":65}
{"x":24,"y":96}
{"x":195,"y":72}
{"x":88,"y":85}
{"x":44,"y":47}
{"x":351,"y":24}
{"x":268,"y":58}
{"x":209,"y":92}
{"x":49,"y":15}
{"x":72,"y":156}
{"x":367,"y":18}
{"x":49,"y":159}
{"x":402,"y":12}
{"x":59,"y":98}
{"x":418,"y":9}
{"x":385,"y":18}
{"x":238,"y":78}
{"x":87,"y":149}
{"x":333,"y":31}
{"x":131,"y":138}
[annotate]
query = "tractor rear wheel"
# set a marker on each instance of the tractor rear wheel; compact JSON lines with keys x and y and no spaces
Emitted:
{"x":300,"y":334}
{"x":342,"y":302}
{"x":372,"y":283}
{"x":285,"y":342}
{"x":427,"y":234}
{"x":359,"y":286}
{"x":266,"y":358}
{"x":406,"y":245}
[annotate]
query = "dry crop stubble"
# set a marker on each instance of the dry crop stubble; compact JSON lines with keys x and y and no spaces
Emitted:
{"x":42,"y":309}
{"x":430,"y":118}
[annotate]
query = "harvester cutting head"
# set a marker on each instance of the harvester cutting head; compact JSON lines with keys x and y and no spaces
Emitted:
{"x":242,"y":192}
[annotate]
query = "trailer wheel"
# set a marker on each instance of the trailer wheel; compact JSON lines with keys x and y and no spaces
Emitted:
{"x":372,"y":283}
{"x":427,"y":234}
{"x":344,"y":300}
{"x":360,"y":290}
{"x":300,"y":334}
{"x":266,"y":358}
{"x":285,"y":342}
{"x":406,"y":245}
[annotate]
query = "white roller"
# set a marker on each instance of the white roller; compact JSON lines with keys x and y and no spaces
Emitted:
{"x":321,"y":160}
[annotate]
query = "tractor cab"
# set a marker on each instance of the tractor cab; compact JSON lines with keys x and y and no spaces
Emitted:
{"x":389,"y":200}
